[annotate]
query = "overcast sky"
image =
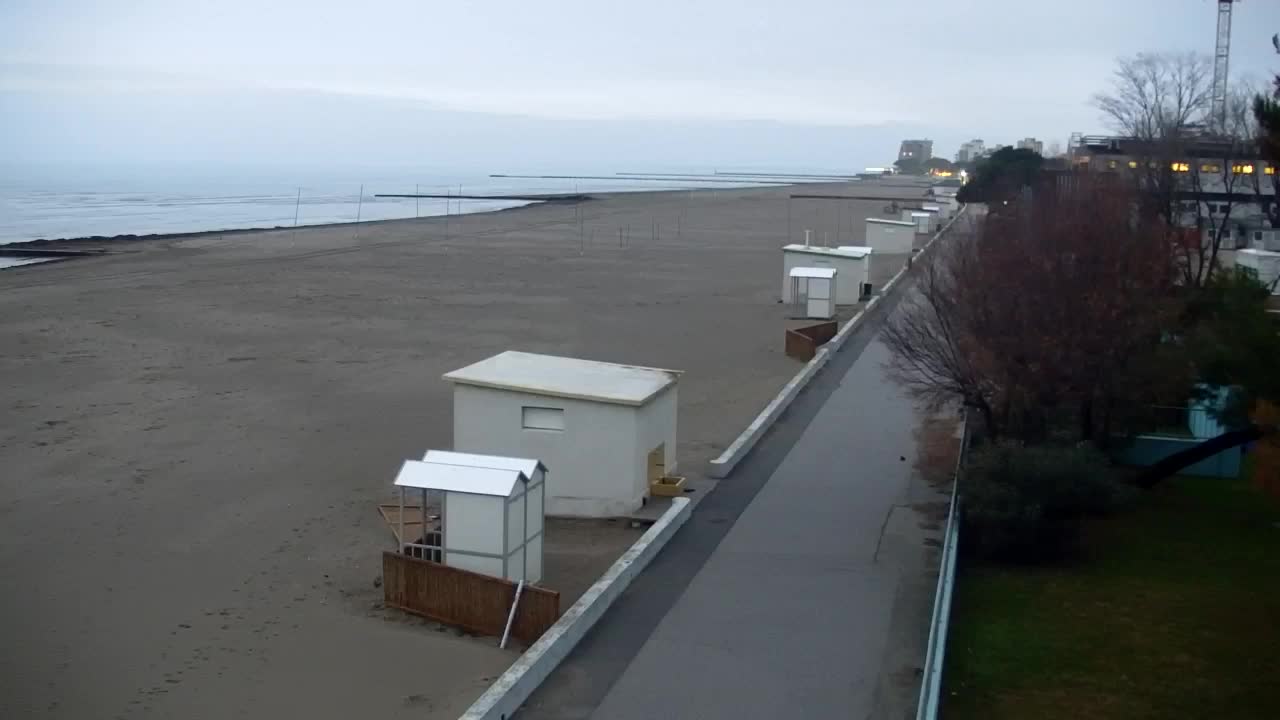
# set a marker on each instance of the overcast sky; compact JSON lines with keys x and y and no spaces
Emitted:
{"x":996,"y":69}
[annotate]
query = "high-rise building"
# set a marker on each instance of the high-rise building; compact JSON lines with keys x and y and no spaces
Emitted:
{"x":1031,"y":144}
{"x":971,"y":151}
{"x":917,"y":150}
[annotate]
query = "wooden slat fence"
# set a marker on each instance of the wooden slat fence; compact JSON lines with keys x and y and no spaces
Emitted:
{"x":802,"y":343}
{"x":474,"y":602}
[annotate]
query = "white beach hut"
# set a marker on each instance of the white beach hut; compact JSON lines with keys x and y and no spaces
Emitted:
{"x":1263,"y":264}
{"x":491,"y":512}
{"x":922,"y":219}
{"x":850,"y":262}
{"x":813,"y":292}
{"x":890,"y":237}
{"x":607,"y":430}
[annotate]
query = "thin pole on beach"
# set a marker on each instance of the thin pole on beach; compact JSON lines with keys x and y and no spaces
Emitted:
{"x":359,"y":208}
{"x":296,"y":207}
{"x":788,"y":219}
{"x":416,"y":191}
{"x":446,"y":214}
{"x":582,"y":234}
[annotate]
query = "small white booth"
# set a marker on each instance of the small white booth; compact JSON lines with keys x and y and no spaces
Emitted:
{"x":940,"y":213}
{"x":491,"y":512}
{"x":813,"y":293}
{"x":1264,"y":264}
{"x":607,"y":430}
{"x":922,"y":219}
{"x":891,"y":237}
{"x":850,"y":262}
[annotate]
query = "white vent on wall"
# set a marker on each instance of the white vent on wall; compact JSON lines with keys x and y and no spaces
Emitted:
{"x":541,"y":418}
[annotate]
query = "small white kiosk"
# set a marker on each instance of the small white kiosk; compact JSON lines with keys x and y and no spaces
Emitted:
{"x":851,"y":262}
{"x":890,"y":237}
{"x":922,"y":219}
{"x":491,"y":515}
{"x":607,"y":430}
{"x":813,"y":293}
{"x":939,"y":212}
{"x":1263,"y":264}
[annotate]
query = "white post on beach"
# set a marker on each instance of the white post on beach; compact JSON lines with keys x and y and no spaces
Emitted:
{"x":359,"y":207}
{"x":788,"y":218}
{"x":296,"y":207}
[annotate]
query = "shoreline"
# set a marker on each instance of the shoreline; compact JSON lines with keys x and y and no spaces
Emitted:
{"x":551,"y":199}
{"x":135,"y":237}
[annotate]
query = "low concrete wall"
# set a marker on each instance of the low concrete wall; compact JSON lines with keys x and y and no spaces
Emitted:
{"x":935,"y":658}
{"x":747,"y":439}
{"x":515,"y":685}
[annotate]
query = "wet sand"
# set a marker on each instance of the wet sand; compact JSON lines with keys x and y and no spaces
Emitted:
{"x":198,"y":429}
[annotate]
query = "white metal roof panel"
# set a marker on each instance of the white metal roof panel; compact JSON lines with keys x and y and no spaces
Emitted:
{"x":848,"y":252}
{"x":566,"y":377}
{"x":528,"y":466}
{"x":920,"y":214}
{"x":807,"y":272}
{"x":459,"y":478}
{"x":1258,"y":253}
{"x":890,"y":222}
{"x":861,"y":249}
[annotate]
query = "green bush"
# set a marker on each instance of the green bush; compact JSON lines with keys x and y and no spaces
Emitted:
{"x":1025,"y":504}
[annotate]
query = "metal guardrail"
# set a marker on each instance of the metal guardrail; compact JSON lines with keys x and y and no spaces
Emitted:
{"x":935,"y":657}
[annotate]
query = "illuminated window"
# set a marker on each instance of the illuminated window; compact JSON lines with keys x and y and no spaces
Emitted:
{"x":1210,"y":168}
{"x":1242,"y":169}
{"x":1133,"y":164}
{"x":1180,"y":167}
{"x":1270,"y":170}
{"x":1111,"y":164}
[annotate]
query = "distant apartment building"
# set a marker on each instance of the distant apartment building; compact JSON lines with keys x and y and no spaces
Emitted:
{"x":918,"y":150}
{"x":1211,"y":181}
{"x":1031,"y":144}
{"x":971,"y":151}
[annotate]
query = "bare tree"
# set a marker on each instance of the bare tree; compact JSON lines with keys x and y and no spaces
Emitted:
{"x":1156,"y":96}
{"x":1158,"y":101}
{"x":1048,"y":318}
{"x":1222,"y":166}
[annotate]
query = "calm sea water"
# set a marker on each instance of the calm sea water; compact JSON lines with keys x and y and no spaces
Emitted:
{"x":79,"y":205}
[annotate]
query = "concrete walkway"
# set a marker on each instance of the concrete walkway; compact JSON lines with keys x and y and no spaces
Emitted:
{"x":815,"y":603}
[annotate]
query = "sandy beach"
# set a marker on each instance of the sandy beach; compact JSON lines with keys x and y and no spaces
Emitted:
{"x":198,"y":429}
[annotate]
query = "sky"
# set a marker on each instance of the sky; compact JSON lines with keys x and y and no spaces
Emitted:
{"x":756,"y":82}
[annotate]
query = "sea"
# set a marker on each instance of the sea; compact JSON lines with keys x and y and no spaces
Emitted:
{"x":73,"y":204}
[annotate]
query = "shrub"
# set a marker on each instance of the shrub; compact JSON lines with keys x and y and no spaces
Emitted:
{"x":1025,"y":503}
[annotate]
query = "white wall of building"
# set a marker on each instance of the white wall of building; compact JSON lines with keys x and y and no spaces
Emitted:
{"x":888,"y":239}
{"x":655,"y":425}
{"x":595,"y":465}
{"x":473,"y":523}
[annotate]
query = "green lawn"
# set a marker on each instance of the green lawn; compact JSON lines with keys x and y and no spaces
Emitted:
{"x":1174,"y":612}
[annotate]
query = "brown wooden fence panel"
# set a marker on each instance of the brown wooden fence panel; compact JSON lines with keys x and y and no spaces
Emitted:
{"x":468,"y":600}
{"x":802,"y":342}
